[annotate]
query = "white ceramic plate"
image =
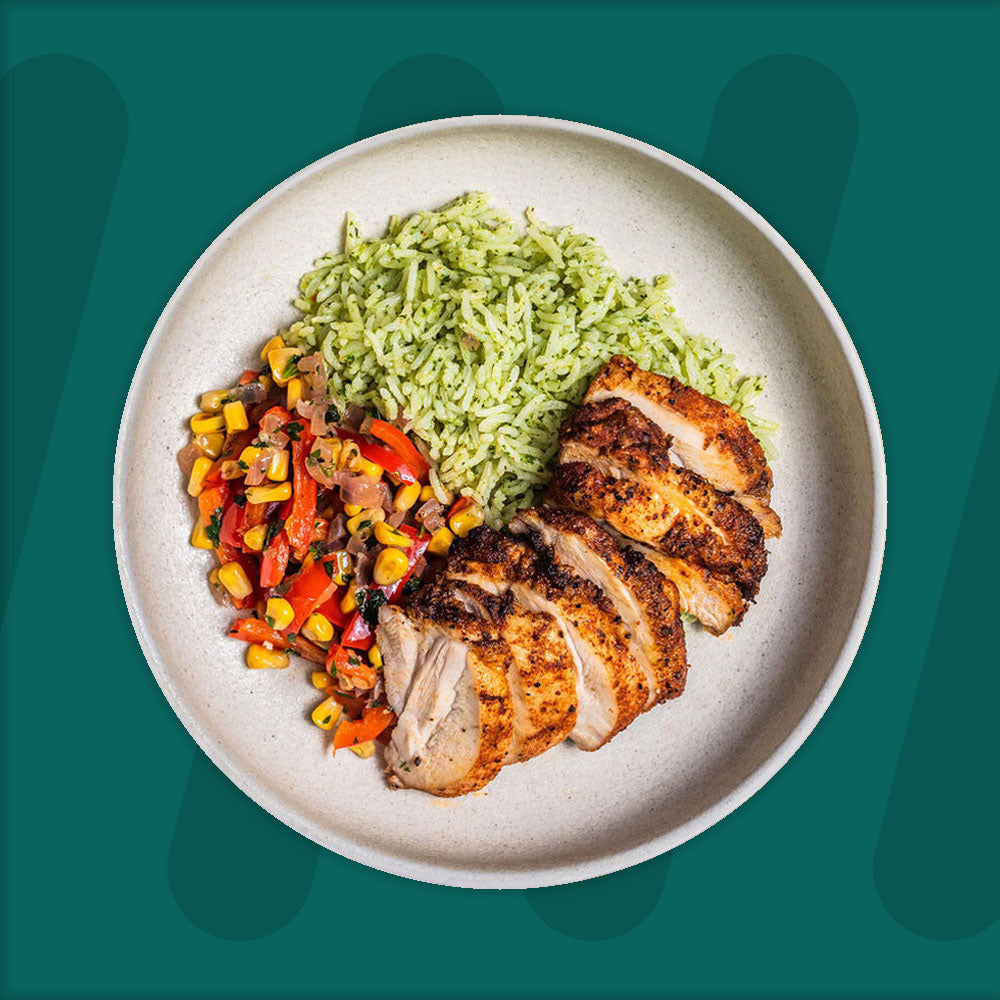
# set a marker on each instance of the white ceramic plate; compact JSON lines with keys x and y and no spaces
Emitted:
{"x":752,"y":697}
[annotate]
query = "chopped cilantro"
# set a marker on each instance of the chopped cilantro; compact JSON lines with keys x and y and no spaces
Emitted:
{"x":240,"y":499}
{"x":411,"y":586}
{"x":273,"y":529}
{"x":214,"y":526}
{"x":294,"y":430}
{"x":269,"y":620}
{"x":291,"y":636}
{"x":369,"y":601}
{"x":243,"y":465}
{"x":332,"y":415}
{"x":328,"y":566}
{"x":318,"y":549}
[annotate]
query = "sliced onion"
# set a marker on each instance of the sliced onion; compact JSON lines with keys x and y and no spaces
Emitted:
{"x":396,"y":518}
{"x":364,"y":563}
{"x":186,"y":457}
{"x":252,"y":392}
{"x":356,"y":546}
{"x":257,"y":472}
{"x":337,"y":533}
{"x":353,"y":417}
{"x":363,"y":490}
{"x":430,"y":515}
{"x":313,"y":371}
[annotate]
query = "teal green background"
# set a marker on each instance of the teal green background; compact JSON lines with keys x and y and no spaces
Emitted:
{"x":135,"y":134}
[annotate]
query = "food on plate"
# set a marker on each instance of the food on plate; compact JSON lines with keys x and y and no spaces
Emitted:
{"x":479,"y":487}
{"x":483,"y":338}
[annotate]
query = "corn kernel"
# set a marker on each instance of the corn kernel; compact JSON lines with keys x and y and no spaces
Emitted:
{"x":274,"y":344}
{"x":466,"y":519}
{"x":327,"y":713}
{"x":231,"y":470}
{"x":207,"y":423}
{"x":277,"y":470}
{"x":440,"y":542}
{"x":427,"y":493}
{"x":211,"y":402}
{"x":406,"y":496}
{"x":352,"y":509}
{"x":282,"y":361}
{"x":370,"y":468}
{"x":364,"y":750}
{"x":279,"y":614}
{"x":235,"y":415}
{"x":388,"y":535}
{"x":269,"y":494}
{"x":294,"y":391}
{"x":390,"y":567}
{"x":233,"y":577}
{"x":261,"y":658}
{"x":343,"y":568}
{"x":198,"y":537}
{"x":249,"y":455}
{"x":253,"y":538}
{"x":375,"y":657}
{"x":318,"y":628}
{"x":361,"y":524}
{"x":349,"y":602}
{"x":196,"y":481}
{"x":210,"y":444}
{"x":321,"y":680}
{"x":349,"y":457}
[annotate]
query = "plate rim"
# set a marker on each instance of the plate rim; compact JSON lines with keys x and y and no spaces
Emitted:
{"x":615,"y":860}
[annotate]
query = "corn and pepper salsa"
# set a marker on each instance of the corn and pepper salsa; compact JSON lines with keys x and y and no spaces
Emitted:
{"x":316,"y":517}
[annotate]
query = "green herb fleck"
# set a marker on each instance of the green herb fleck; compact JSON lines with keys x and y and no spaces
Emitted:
{"x":294,"y":430}
{"x":273,"y":529}
{"x":370,"y":599}
{"x":214,"y":526}
{"x":240,"y":499}
{"x":332,"y":415}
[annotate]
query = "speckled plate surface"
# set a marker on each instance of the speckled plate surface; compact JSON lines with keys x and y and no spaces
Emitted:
{"x":752,"y":697}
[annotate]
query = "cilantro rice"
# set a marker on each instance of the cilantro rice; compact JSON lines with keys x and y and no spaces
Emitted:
{"x":481,"y":338}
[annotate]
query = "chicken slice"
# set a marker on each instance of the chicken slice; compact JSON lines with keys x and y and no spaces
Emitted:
{"x":541,"y":671}
{"x":675,"y":510}
{"x":646,"y":601}
{"x":676,"y":523}
{"x":610,"y":685}
{"x":707,"y":436}
{"x":446,"y":679}
{"x":717,"y":604}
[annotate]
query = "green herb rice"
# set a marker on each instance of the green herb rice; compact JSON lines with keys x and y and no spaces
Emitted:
{"x":482,"y":338}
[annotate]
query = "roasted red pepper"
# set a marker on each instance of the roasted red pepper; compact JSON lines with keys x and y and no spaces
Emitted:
{"x":274,"y":561}
{"x":357,"y":634}
{"x":255,"y":630}
{"x":389,"y":460}
{"x":213,"y":498}
{"x":231,"y":531}
{"x":331,"y":610}
{"x":300,"y":522}
{"x":402,"y":446}
{"x":347,"y":663}
{"x":376,"y":718}
{"x":311,"y":587}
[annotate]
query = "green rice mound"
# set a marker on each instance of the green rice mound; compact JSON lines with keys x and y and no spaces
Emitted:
{"x":480,"y":339}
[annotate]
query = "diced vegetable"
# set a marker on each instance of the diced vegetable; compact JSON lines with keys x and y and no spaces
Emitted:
{"x":402,"y":446}
{"x":375,"y":719}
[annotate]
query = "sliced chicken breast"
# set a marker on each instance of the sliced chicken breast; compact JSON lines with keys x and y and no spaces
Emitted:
{"x":716,"y":603}
{"x":646,"y":601}
{"x":541,"y":671}
{"x":446,"y":679}
{"x":675,"y":523}
{"x":611,"y":686}
{"x":707,"y":436}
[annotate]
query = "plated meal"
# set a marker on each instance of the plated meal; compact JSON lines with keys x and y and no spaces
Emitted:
{"x":481,"y":485}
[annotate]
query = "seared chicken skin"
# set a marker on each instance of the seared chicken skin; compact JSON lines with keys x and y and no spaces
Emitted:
{"x":646,"y":601}
{"x":611,"y":686}
{"x":446,"y":679}
{"x":541,"y":672}
{"x":616,"y":467}
{"x":707,"y":436}
{"x":716,"y":603}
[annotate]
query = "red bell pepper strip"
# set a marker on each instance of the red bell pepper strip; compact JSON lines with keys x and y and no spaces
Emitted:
{"x":352,"y":706}
{"x":345,"y":662}
{"x":312,"y":586}
{"x":389,"y":460}
{"x":357,"y":633}
{"x":331,"y":610}
{"x":376,"y":718}
{"x":248,"y":376}
{"x":300,"y":522}
{"x":213,"y":497}
{"x":401,"y":445}
{"x":231,"y":531}
{"x":274,"y":561}
{"x":255,"y":630}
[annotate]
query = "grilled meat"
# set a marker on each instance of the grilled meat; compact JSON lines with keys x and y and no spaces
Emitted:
{"x":707,"y":436}
{"x":611,"y":686}
{"x":446,"y":679}
{"x":541,"y":671}
{"x":646,"y":601}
